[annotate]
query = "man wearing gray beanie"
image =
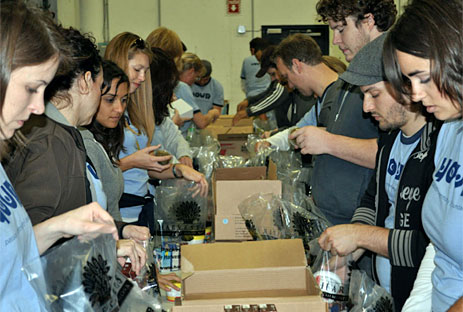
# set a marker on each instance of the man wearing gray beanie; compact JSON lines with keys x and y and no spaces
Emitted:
{"x":388,"y":220}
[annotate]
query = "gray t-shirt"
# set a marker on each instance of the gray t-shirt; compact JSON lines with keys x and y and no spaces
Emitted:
{"x":208,"y":95}
{"x":253,"y":84}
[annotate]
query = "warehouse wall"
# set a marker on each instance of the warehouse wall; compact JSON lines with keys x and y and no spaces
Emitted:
{"x":203,"y":25}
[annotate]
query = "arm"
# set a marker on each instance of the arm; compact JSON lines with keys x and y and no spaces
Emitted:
{"x":421,"y":294}
{"x":172,"y":140}
{"x":86,"y":221}
{"x":344,"y":239}
{"x":202,"y":121}
{"x":275,"y":96}
{"x":316,"y":141}
{"x":182,"y":171}
{"x":457,"y":306}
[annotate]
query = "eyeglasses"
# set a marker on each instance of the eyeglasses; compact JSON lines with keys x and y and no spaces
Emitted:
{"x":139,"y":43}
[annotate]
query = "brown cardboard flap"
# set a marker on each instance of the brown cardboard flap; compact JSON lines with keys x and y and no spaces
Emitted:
{"x":232,"y":137}
{"x":241,"y":130}
{"x":255,"y":254}
{"x":273,"y":293}
{"x":248,"y":173}
{"x":246,"y":280}
{"x":227,"y":120}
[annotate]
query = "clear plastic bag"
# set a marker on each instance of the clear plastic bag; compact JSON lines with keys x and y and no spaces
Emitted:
{"x":366,"y":295}
{"x":85,"y":276}
{"x":180,"y":212}
{"x":332,"y":274}
{"x":230,"y":161}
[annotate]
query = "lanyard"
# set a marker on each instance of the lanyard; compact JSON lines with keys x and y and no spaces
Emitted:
{"x":127,"y":126}
{"x":346,"y":92}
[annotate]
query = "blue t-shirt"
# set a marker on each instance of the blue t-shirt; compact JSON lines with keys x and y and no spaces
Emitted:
{"x":135,"y":179}
{"x":442,"y":217}
{"x":208,"y":95}
{"x":254,"y":85}
{"x":183,"y":91}
{"x":400,"y":152}
{"x":18,"y":248}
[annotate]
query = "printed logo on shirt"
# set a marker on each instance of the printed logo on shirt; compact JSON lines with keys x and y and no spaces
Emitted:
{"x":450,"y":172}
{"x":395,"y":169}
{"x":206,"y":96}
{"x":8,"y":200}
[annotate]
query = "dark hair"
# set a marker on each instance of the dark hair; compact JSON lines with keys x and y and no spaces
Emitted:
{"x":384,"y":11}
{"x":258,"y":44}
{"x":164,"y":78}
{"x":111,"y":139}
{"x":28,"y":37}
{"x":85,"y":58}
{"x":300,"y":47}
{"x":429,"y":29}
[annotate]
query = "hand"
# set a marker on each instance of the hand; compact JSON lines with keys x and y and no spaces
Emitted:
{"x":266,"y":134}
{"x":190,"y":174}
{"x":187,"y":161}
{"x":261,"y":145}
{"x":242,"y":105}
{"x":86,"y":222}
{"x":165,"y":281}
{"x":341,"y":240}
{"x":133,"y":250}
{"x":179,"y":121}
{"x":214,"y":114}
{"x":135,"y":232}
{"x":311,"y":140}
{"x":144,"y":159}
{"x":238,"y":116}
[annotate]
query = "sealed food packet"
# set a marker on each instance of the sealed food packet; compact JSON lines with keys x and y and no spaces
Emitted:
{"x":85,"y":276}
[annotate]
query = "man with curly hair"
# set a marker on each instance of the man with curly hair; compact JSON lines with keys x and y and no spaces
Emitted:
{"x":356,"y":22}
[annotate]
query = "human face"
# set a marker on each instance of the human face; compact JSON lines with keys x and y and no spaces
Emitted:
{"x":378,"y":101}
{"x":274,"y":74}
{"x":189,"y":76}
{"x":91,"y":101}
{"x":202,"y":81}
{"x":112,"y":105}
{"x":24,"y":95}
{"x":424,"y":89}
{"x":294,"y":77}
{"x":349,"y":38}
{"x":138,"y":66}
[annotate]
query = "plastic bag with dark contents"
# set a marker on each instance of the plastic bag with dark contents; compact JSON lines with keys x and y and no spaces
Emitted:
{"x":177,"y":210}
{"x":269,"y":217}
{"x":85,"y":276}
{"x":332,"y":274}
{"x":366,"y":295}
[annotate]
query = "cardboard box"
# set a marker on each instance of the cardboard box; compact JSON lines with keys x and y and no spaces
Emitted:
{"x":230,"y":187}
{"x":257,"y":272}
{"x":233,"y":144}
{"x":227,"y":121}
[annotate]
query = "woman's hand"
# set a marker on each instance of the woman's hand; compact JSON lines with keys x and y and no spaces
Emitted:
{"x":190,"y":174}
{"x":179,"y":121}
{"x":144,"y":159}
{"x":187,"y":161}
{"x":86,"y":222}
{"x":133,"y":250}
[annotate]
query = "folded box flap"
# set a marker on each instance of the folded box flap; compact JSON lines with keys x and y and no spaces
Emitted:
{"x":255,"y":254}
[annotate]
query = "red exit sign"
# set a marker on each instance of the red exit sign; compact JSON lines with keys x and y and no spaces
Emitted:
{"x":233,"y":6}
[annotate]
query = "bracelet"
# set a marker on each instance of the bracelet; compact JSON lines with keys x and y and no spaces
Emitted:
{"x":174,"y":172}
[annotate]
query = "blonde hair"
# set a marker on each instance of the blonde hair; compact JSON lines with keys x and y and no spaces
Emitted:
{"x":120,"y":50}
{"x":167,"y":40}
{"x":334,"y":63}
{"x":191,"y":60}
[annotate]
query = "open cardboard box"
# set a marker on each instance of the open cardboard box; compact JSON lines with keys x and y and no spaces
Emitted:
{"x":227,"y":121}
{"x":223,"y":127}
{"x":257,"y":272}
{"x":230,"y":187}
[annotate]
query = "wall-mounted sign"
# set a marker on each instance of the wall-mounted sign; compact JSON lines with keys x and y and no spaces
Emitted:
{"x":233,"y":6}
